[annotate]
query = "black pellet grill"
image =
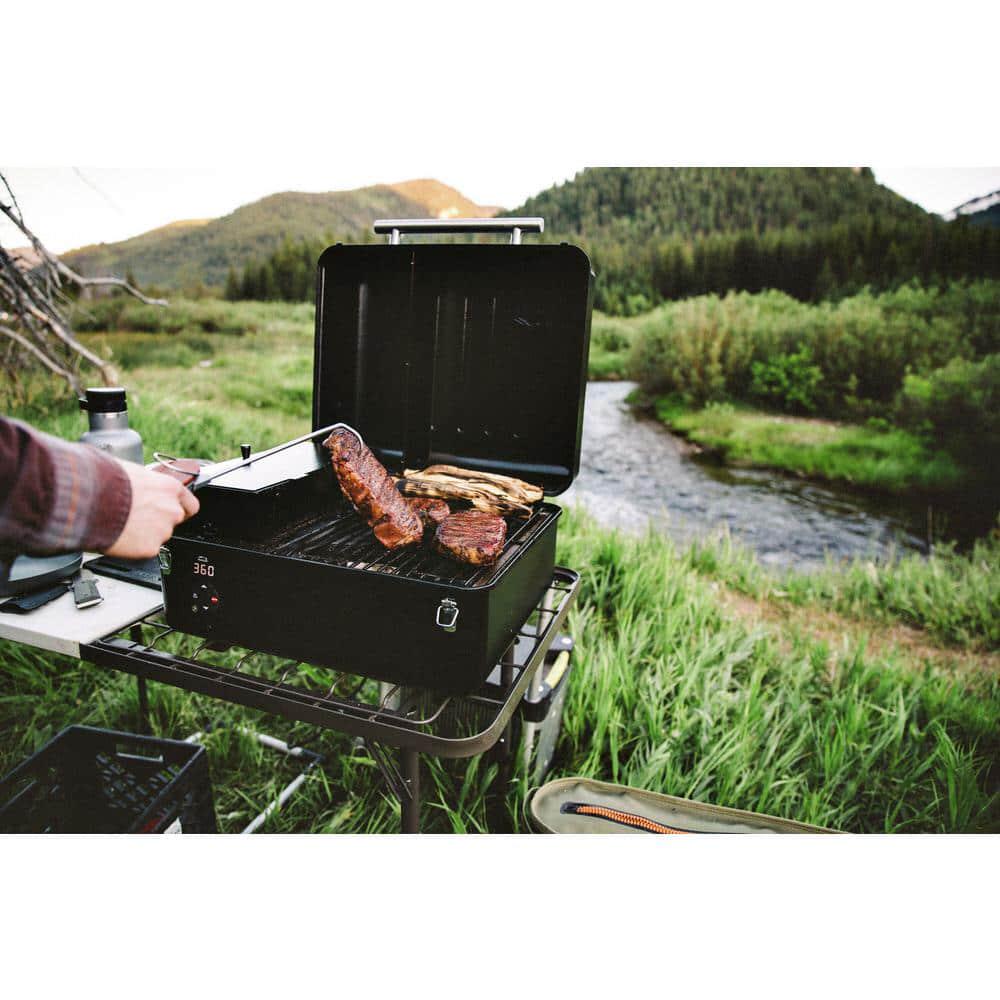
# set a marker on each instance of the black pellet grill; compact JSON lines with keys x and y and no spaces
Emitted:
{"x":471,"y":354}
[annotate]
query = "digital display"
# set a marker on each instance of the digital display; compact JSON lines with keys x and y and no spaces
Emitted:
{"x":203,"y":569}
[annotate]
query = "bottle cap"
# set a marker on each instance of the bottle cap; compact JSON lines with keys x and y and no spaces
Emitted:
{"x":104,"y":400}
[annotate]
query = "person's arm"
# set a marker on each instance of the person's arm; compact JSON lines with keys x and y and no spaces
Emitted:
{"x":62,"y":497}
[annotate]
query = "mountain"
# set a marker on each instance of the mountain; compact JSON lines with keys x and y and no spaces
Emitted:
{"x":648,"y":202}
{"x":655,"y":234}
{"x":184,"y":253}
{"x":984,"y":211}
{"x":442,"y":202}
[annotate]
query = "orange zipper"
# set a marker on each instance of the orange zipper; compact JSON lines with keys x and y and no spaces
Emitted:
{"x":617,"y":816}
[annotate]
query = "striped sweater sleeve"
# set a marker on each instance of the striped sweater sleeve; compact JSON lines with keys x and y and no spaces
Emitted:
{"x":56,"y":496}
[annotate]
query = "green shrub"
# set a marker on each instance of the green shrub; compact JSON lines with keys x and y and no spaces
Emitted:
{"x":102,"y":314}
{"x":699,"y":349}
{"x":958,"y":406}
{"x":611,"y":335}
{"x":610,"y":342}
{"x":705,"y":348}
{"x":128,"y":315}
{"x":789,"y":381}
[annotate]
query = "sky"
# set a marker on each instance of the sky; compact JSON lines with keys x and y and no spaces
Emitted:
{"x":68,"y":207}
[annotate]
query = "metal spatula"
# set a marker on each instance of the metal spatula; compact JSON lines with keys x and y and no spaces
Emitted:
{"x":208,"y":473}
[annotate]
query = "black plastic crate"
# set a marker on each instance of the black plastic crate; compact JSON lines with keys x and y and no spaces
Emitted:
{"x":91,"y":780}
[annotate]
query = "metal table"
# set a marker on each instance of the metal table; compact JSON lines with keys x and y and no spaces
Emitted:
{"x":531,"y":676}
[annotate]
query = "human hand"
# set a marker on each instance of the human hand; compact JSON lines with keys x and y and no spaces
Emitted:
{"x":159,"y":504}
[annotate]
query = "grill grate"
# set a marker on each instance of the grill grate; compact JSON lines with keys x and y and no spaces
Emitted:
{"x":343,"y":539}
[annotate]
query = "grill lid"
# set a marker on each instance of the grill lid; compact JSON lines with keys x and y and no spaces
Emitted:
{"x":466,"y":354}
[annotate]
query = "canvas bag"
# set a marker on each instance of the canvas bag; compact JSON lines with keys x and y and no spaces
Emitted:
{"x":582,"y":805}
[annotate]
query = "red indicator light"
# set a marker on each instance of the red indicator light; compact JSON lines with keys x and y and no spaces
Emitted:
{"x":214,"y":600}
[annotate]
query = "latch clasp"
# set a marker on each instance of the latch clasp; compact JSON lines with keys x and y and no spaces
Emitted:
{"x":165,"y":560}
{"x":447,"y":614}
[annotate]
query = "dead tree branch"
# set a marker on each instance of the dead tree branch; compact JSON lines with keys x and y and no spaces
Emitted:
{"x":33,"y":305}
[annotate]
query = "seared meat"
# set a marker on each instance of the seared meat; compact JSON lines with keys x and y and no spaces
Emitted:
{"x":471,"y":536}
{"x":370,"y":488}
{"x":431,"y":512}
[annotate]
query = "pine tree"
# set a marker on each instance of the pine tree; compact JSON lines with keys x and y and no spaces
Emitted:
{"x":232,"y":291}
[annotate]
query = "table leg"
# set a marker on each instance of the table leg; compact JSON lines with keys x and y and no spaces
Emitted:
{"x":135,"y":634}
{"x":144,"y":726}
{"x":410,"y":804}
{"x":506,"y":679}
{"x":529,"y":730}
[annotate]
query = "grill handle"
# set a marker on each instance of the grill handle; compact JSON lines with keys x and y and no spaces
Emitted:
{"x":396,"y":227}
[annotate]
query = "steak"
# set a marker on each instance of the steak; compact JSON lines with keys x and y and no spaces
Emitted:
{"x":471,"y":536}
{"x":369,"y":487}
{"x":431,"y":512}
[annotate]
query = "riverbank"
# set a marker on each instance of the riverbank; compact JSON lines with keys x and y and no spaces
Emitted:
{"x":906,"y":383}
{"x":634,"y":472}
{"x":877,"y":458}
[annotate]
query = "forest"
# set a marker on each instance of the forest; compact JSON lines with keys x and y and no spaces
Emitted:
{"x":657,"y":235}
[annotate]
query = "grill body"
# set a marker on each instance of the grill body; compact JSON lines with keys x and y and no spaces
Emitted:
{"x":294,"y":572}
{"x":466,"y":354}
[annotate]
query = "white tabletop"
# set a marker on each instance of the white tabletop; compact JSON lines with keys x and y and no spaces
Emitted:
{"x":61,"y":627}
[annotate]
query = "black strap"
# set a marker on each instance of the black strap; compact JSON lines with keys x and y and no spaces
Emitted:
{"x":30,"y":602}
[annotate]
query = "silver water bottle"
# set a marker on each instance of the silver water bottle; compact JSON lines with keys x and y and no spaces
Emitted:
{"x":107,"y":412}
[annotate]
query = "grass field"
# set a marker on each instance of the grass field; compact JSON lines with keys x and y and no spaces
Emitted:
{"x":886,"y":459}
{"x":863,"y":698}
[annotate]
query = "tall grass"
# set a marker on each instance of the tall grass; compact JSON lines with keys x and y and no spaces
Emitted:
{"x":671,"y":694}
{"x":668,"y":693}
{"x":124,"y":314}
{"x":951,"y":596}
{"x":197,"y":388}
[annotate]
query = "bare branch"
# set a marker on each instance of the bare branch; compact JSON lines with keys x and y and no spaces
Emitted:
{"x":45,"y":360}
{"x":33,"y":299}
{"x":64,"y":334}
{"x":82,"y":282}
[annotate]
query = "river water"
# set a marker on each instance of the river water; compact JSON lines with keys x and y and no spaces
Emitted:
{"x":633,"y":472}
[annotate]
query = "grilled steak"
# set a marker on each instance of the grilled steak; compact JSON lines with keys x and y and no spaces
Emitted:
{"x":370,"y":488}
{"x":431,"y":512}
{"x":471,"y":536}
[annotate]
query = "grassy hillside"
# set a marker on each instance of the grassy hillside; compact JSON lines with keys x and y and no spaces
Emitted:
{"x":183,"y":254}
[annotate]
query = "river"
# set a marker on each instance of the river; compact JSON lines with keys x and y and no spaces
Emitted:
{"x":633,"y":472}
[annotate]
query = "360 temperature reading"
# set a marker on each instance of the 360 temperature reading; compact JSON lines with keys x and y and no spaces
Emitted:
{"x":203,"y":569}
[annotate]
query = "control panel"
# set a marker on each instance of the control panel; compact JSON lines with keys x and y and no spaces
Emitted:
{"x":204,"y":599}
